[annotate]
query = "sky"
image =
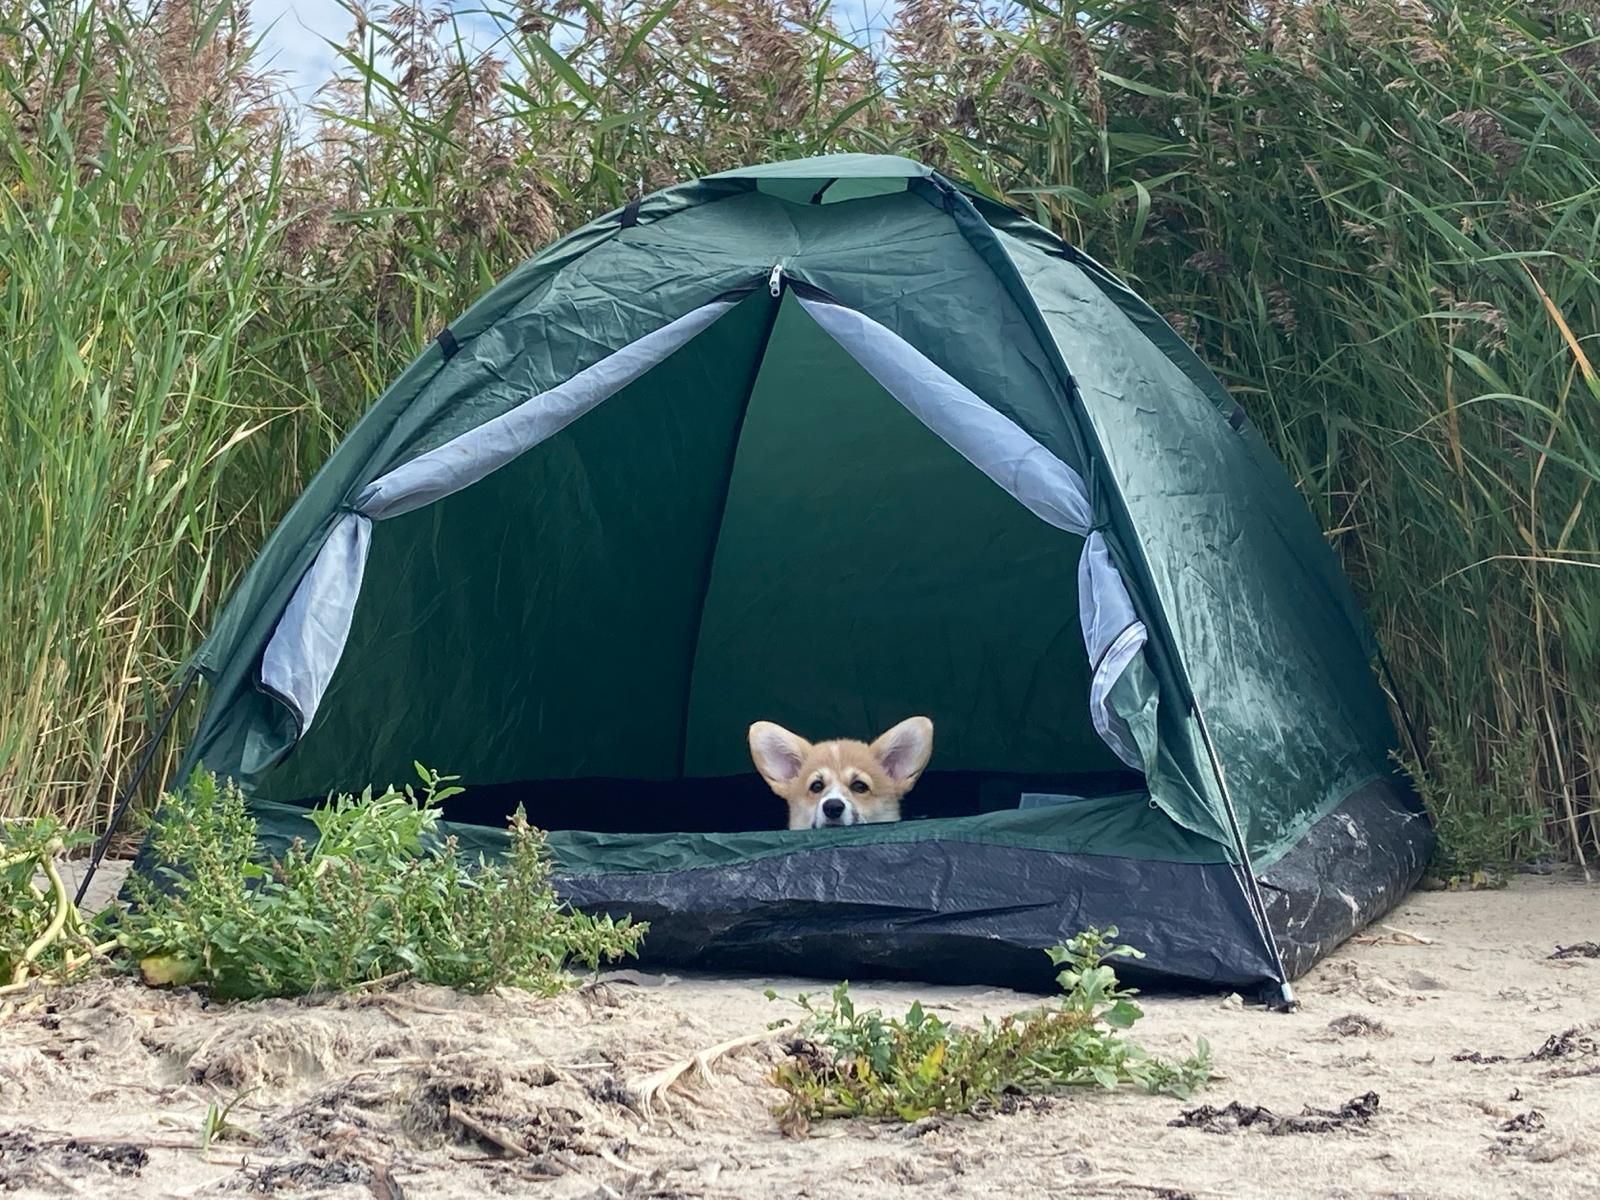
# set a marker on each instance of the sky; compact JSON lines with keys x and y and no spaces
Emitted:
{"x":294,"y":34}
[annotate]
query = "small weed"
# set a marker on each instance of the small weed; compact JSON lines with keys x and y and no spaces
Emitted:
{"x":218,"y":1125}
{"x":859,"y":1063}
{"x":378,"y":894}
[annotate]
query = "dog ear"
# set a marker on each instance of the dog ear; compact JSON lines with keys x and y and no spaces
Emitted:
{"x":778,"y":754}
{"x":904,"y":750}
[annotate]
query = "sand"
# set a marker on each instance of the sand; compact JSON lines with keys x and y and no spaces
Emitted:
{"x":419,"y":1092}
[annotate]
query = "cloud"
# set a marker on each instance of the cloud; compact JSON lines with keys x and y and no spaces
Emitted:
{"x":294,"y":34}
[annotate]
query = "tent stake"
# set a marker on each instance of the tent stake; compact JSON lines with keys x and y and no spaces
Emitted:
{"x":121,"y":807}
{"x":1258,"y":903}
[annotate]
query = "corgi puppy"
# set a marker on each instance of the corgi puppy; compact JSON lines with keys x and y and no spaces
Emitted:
{"x":842,"y":782}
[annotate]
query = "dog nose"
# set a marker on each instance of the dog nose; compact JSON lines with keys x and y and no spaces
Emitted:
{"x":833,"y":809}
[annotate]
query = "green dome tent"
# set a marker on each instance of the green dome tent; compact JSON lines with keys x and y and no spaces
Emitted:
{"x":832,"y":443}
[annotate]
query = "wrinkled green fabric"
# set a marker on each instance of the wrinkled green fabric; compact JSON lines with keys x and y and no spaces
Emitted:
{"x":1261,"y":616}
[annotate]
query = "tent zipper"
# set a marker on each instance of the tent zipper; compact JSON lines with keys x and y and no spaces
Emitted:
{"x":775,"y":280}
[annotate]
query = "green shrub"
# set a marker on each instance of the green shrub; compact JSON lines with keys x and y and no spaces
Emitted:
{"x":377,"y":895}
{"x":853,"y":1063}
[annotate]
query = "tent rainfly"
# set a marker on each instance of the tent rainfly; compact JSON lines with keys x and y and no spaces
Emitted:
{"x":832,"y":443}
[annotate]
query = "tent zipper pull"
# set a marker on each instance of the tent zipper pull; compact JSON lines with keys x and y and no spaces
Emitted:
{"x":775,"y":281}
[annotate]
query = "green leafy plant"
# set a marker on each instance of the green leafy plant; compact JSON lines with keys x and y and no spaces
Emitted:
{"x":378,"y":895}
{"x":849,"y":1062}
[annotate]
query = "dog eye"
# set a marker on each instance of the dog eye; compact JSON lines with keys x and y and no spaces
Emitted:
{"x":859,"y":785}
{"x":816,"y":785}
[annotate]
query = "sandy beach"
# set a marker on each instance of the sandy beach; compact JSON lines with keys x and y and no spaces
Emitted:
{"x":1472,"y":1056}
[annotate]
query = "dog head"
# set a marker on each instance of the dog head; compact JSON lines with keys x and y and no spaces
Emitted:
{"x":842,"y":782}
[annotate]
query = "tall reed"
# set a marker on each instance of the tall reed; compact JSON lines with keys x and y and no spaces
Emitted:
{"x":1376,"y":218}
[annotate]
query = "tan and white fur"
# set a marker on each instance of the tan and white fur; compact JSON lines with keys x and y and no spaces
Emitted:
{"x":842,"y":782}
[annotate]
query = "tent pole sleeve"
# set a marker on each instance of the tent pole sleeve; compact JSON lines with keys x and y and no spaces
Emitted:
{"x":119,"y":810}
{"x":1257,"y":902}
